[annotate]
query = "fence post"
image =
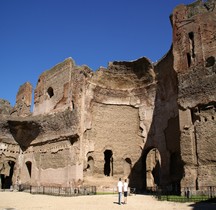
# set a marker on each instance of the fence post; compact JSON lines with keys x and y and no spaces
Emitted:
{"x":211,"y":192}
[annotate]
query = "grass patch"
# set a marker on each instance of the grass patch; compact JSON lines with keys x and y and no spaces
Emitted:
{"x":183,"y":199}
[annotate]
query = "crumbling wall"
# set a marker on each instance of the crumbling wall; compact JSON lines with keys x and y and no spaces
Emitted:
{"x":115,"y":128}
{"x":53,"y":91}
{"x":194,"y":60}
{"x":40,"y":147}
{"x":5,"y":107}
{"x":152,"y":123}
{"x":194,"y":55}
{"x":52,"y":149}
{"x":22,"y":107}
{"x":163,"y":134}
{"x":204,"y":125}
{"x":133,"y":109}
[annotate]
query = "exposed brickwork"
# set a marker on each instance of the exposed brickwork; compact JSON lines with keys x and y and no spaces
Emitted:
{"x":152,"y":123}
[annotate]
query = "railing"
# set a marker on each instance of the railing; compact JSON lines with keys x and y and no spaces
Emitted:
{"x":187,"y":194}
{"x":59,"y":191}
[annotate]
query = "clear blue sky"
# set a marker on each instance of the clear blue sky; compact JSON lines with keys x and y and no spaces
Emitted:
{"x":35,"y":35}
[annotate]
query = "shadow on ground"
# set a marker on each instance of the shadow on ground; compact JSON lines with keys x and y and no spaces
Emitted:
{"x":205,"y":205}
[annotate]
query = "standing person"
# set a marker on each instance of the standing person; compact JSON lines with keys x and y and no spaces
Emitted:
{"x":119,"y":188}
{"x":125,"y":187}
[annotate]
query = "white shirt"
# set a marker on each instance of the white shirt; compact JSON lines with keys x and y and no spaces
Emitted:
{"x":125,"y":186}
{"x":119,"y":186}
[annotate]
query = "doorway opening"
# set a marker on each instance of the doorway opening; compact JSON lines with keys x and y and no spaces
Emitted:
{"x":29,"y":167}
{"x":153,"y":167}
{"x":6,"y":177}
{"x":90,"y":164}
{"x":108,"y":165}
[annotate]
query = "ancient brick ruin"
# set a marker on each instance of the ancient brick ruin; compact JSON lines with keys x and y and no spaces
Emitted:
{"x":153,"y":123}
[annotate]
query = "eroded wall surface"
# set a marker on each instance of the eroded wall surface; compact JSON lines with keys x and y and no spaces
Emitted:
{"x":194,"y":52}
{"x":153,"y":123}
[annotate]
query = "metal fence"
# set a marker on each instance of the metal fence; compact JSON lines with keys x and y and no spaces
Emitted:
{"x":59,"y":191}
{"x":186,"y":194}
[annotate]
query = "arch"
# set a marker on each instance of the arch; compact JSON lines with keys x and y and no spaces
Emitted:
{"x":127,"y":166}
{"x":90,"y":164}
{"x":108,"y":165}
{"x":153,"y":168}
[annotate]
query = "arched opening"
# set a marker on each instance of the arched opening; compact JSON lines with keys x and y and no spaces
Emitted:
{"x":108,"y":165}
{"x":153,"y":166}
{"x":127,"y":167}
{"x":29,"y":167}
{"x":6,"y":176}
{"x":50,"y":92}
{"x":90,"y":164}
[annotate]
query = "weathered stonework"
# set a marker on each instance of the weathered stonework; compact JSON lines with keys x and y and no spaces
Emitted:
{"x":153,"y":123}
{"x":194,"y":52}
{"x":5,"y":107}
{"x":23,"y":101}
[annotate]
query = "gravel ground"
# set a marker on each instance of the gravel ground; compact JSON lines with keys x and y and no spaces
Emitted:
{"x":26,"y":201}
